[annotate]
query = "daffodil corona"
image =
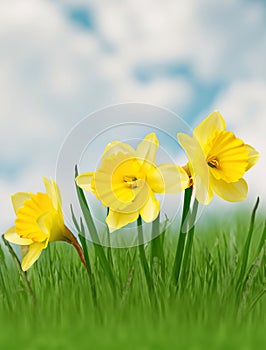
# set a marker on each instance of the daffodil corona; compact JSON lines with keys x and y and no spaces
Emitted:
{"x":127,"y":180}
{"x":39,"y":221}
{"x":218,"y":160}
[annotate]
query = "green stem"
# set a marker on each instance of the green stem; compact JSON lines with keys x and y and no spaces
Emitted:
{"x":182,"y":237}
{"x":143,"y":259}
{"x":189,"y":243}
{"x":155,"y":243}
{"x":89,"y":269}
{"x":157,"y":249}
{"x":109,"y":249}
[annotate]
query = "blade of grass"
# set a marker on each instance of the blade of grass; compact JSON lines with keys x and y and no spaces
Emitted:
{"x":129,"y":280}
{"x":182,"y":237}
{"x":257,"y":298}
{"x":3,"y":270}
{"x":2,"y":258}
{"x":99,"y":251}
{"x":245,"y":254}
{"x":143,"y":259}
{"x":86,"y":255}
{"x":251,"y":275}
{"x":262,"y":240}
{"x":22,"y":273}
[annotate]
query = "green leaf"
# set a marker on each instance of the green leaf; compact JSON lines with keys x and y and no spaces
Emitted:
{"x":99,"y":251}
{"x":262,"y":240}
{"x":245,"y":253}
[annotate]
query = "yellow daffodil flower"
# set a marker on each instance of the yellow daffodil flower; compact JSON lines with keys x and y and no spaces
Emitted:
{"x":217,"y":160}
{"x":127,"y":180}
{"x":39,"y":221}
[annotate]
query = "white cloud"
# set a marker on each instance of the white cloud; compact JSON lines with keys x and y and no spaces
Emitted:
{"x":217,"y":39}
{"x":53,"y":73}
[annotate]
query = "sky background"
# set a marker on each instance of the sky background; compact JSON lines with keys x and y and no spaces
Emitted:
{"x":61,"y":60}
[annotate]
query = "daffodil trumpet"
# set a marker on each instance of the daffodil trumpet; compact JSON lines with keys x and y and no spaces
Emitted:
{"x":128,"y":179}
{"x":217,"y":160}
{"x":39,"y":221}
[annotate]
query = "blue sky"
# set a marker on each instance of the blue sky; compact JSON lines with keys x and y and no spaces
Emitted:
{"x":61,"y":60}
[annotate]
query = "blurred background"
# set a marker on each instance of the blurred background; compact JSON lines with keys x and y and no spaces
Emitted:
{"x":61,"y":60}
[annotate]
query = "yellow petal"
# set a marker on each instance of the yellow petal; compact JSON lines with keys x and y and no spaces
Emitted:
{"x":24,"y":250}
{"x":198,"y":167}
{"x":12,"y":237}
{"x":32,"y":255}
{"x":231,"y":192}
{"x":45,"y":222}
{"x":110,"y":187}
{"x":205,"y":129}
{"x":113,"y":185}
{"x":85,"y":181}
{"x":55,"y":232}
{"x":231,"y":155}
{"x":18,"y":200}
{"x":204,"y":192}
{"x":146,"y":149}
{"x":168,"y":178}
{"x":53,"y":192}
{"x":57,"y":196}
{"x":116,"y":220}
{"x":151,"y":209}
{"x":253,"y":156}
{"x":26,"y":222}
{"x":116,"y":147}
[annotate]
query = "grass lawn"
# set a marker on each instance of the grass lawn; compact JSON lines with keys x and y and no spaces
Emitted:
{"x":219,"y":303}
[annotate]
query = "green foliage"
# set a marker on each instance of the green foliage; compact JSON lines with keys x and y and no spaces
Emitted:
{"x":75,"y":308}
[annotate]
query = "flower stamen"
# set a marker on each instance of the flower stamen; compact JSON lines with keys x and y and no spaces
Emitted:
{"x":131,"y":181}
{"x":213,"y":162}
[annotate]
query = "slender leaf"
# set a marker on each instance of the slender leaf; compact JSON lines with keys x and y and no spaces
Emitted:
{"x":245,"y":254}
{"x":262,"y":240}
{"x":94,"y":235}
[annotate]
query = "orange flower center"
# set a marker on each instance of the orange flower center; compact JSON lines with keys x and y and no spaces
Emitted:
{"x":131,"y":181}
{"x":213,"y":162}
